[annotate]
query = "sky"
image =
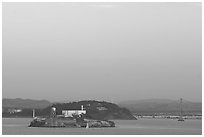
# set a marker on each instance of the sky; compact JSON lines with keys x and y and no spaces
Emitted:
{"x":102,"y":51}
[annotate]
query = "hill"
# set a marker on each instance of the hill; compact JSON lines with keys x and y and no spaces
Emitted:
{"x":24,"y":103}
{"x":161,"y":105}
{"x":95,"y":109}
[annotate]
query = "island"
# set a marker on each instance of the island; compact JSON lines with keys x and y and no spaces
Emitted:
{"x":80,"y":114}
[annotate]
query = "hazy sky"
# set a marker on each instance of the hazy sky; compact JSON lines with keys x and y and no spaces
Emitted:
{"x":102,"y":51}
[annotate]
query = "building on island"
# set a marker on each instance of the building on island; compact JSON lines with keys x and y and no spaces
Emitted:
{"x":70,"y":113}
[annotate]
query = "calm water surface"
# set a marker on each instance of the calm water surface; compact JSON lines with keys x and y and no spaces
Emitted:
{"x":19,"y":126}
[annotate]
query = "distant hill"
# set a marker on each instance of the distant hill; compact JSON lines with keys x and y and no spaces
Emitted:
{"x":24,"y":103}
{"x":160,"y":105}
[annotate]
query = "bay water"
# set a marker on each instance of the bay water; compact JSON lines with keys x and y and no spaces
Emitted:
{"x":19,"y":126}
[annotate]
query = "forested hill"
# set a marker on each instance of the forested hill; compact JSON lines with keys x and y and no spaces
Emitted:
{"x":95,"y":109}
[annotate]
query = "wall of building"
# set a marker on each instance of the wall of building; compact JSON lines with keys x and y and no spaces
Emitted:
{"x":69,"y":113}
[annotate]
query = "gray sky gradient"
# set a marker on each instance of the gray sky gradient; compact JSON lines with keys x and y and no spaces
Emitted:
{"x":103,"y":51}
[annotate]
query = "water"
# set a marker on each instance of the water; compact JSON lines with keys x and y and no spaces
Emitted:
{"x":19,"y":126}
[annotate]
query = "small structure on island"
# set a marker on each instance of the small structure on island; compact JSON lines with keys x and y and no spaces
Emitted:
{"x":70,"y":113}
{"x":181,"y":111}
{"x":33,"y":113}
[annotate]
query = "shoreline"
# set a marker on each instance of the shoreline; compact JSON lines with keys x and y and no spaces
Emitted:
{"x":115,"y":119}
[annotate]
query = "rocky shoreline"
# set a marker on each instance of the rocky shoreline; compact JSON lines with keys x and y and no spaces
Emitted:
{"x":71,"y":123}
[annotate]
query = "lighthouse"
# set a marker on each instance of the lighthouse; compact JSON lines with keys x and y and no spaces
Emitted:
{"x":53,"y":112}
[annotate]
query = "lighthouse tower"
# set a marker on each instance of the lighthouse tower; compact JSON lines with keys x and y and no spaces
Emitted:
{"x":53,"y":117}
{"x":53,"y":112}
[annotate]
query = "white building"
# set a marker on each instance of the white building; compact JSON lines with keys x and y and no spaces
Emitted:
{"x":70,"y":113}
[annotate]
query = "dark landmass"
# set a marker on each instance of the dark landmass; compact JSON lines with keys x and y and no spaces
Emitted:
{"x":24,"y":103}
{"x":68,"y":122}
{"x":99,"y":110}
{"x":150,"y":106}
